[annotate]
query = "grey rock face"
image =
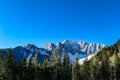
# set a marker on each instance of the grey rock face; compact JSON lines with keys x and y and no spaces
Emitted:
{"x":70,"y":47}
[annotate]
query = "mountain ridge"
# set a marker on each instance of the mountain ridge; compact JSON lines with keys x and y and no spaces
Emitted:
{"x":72,"y":48}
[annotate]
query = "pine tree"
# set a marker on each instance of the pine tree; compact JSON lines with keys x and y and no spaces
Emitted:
{"x":55,"y":56}
{"x":112,"y":73}
{"x":45,"y":63}
{"x":35,"y":67}
{"x":1,"y":58}
{"x":76,"y":70}
{"x":86,"y":71}
{"x":96,"y":71}
{"x":117,"y":64}
{"x":66,"y":69}
{"x":22,"y":69}
{"x":34,"y":60}
{"x":30,"y":70}
{"x":1,"y":67}
{"x":105,"y":68}
{"x":56,"y":64}
{"x":8,"y":67}
{"x":66,"y":62}
{"x":46,"y":71}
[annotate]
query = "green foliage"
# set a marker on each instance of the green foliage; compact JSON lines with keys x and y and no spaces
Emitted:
{"x":101,"y":67}
{"x":66,"y":62}
{"x":117,"y":64}
{"x":1,"y":58}
{"x":105,"y":70}
{"x":76,"y":70}
{"x":96,"y":71}
{"x":8,"y":67}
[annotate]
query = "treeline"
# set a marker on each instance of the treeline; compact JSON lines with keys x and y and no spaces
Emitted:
{"x":104,"y":66}
{"x":56,"y":69}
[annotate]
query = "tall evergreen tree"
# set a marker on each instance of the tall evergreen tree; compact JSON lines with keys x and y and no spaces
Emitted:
{"x":96,"y":71}
{"x":117,"y":66}
{"x":8,"y":67}
{"x":66,"y":62}
{"x":112,"y":73}
{"x":76,"y":70}
{"x":34,"y":60}
{"x":22,"y":69}
{"x":86,"y":70}
{"x":1,"y":58}
{"x":66,"y":68}
{"x":56,"y":64}
{"x":105,"y":68}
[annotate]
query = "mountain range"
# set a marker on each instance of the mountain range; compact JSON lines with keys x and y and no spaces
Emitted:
{"x":71,"y":48}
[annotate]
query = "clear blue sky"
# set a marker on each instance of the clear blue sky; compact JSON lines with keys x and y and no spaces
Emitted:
{"x":42,"y":21}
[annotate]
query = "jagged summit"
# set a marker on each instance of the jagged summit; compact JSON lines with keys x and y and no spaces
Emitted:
{"x":82,"y":48}
{"x":67,"y":42}
{"x":49,"y":46}
{"x":29,"y":46}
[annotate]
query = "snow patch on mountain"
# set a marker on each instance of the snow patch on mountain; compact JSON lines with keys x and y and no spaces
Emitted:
{"x":43,"y":52}
{"x":81,"y":49}
{"x":81,"y":61}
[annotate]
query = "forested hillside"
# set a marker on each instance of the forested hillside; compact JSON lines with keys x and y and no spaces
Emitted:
{"x":104,"y":66}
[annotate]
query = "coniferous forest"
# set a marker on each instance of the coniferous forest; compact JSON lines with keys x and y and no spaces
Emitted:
{"x":104,"y":66}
